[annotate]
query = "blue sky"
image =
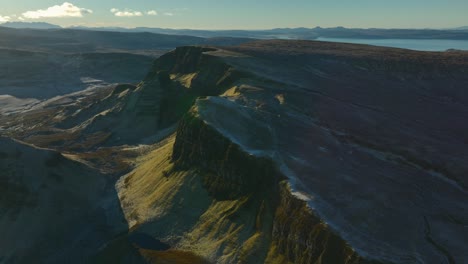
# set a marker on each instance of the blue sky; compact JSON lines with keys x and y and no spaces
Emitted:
{"x":241,"y":14}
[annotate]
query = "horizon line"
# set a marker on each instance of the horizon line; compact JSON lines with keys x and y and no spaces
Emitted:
{"x":233,"y":29}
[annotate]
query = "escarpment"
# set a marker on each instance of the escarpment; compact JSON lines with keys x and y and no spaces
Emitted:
{"x":302,"y":237}
{"x":229,"y":170}
{"x":290,"y":230}
{"x":295,"y":152}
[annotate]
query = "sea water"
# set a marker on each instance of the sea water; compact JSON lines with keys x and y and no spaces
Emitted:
{"x":413,"y":44}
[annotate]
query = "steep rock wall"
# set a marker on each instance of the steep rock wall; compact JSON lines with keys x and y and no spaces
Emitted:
{"x":290,"y":230}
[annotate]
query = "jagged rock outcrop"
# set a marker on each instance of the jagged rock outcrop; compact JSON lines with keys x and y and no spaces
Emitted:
{"x":209,"y":75}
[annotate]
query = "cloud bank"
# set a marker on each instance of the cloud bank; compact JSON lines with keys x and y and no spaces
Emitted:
{"x":132,"y":13}
{"x":126,"y":13}
{"x":65,"y":10}
{"x":4,"y":19}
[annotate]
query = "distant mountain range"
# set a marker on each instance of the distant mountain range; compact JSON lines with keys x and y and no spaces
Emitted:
{"x":66,"y":40}
{"x":32,"y":25}
{"x":277,"y":33}
{"x":304,"y":33}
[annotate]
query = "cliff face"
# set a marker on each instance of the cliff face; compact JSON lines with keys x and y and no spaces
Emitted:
{"x":230,"y":172}
{"x":204,"y":194}
{"x":302,"y":237}
{"x":290,"y":230}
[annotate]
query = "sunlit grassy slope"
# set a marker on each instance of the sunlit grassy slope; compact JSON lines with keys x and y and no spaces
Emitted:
{"x":173,"y":205}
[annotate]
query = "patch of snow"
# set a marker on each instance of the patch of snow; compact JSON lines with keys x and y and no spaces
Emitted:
{"x":302,"y":196}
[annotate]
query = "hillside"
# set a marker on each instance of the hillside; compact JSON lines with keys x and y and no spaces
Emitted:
{"x":29,"y":74}
{"x":274,"y":152}
{"x":86,"y":41}
{"x":53,"y":209}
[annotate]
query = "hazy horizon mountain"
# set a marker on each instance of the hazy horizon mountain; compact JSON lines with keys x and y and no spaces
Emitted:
{"x":275,"y":33}
{"x":303,"y":33}
{"x":31,"y":25}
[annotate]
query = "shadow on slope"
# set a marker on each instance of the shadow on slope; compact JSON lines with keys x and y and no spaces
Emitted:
{"x":53,"y":209}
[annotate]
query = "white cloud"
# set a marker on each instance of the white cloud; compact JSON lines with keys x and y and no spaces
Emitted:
{"x":168,"y":14}
{"x":64,"y":10}
{"x":152,"y":13}
{"x":4,"y":19}
{"x":126,"y":13}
